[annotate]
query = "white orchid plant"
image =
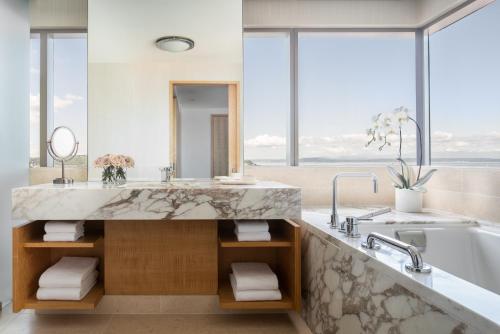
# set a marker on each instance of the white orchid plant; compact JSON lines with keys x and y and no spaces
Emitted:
{"x":387,"y":126}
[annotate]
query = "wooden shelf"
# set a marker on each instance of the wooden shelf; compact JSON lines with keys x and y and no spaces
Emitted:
{"x":229,"y":240}
{"x":88,"y":303}
{"x":88,"y":241}
{"x":227,"y":301}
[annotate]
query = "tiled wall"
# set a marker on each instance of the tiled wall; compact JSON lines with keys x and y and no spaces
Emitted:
{"x":471,"y":191}
{"x":316,"y":184}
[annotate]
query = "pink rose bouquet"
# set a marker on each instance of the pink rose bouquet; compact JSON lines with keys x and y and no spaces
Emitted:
{"x":114,"y":167}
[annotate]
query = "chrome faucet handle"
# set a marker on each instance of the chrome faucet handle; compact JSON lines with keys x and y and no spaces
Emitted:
{"x":351,"y":227}
{"x":333,"y":221}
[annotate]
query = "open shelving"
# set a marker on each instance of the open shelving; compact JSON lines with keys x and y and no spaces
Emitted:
{"x":282,"y":254}
{"x":32,"y":256}
{"x":89,"y":302}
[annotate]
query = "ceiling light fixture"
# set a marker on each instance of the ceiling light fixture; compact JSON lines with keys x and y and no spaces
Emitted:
{"x":174,"y":43}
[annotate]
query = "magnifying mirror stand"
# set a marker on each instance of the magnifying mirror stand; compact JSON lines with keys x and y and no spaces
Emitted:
{"x":63,"y":179}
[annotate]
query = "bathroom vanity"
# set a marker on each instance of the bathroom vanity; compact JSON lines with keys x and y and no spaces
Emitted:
{"x":157,"y":238}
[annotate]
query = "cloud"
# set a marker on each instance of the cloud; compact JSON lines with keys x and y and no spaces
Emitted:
{"x":353,"y":146}
{"x":266,"y":140}
{"x":66,"y":101}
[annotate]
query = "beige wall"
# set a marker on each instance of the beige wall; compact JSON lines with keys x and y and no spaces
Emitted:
{"x":473,"y":192}
{"x":316,"y":184}
{"x":46,"y":14}
{"x":343,"y":13}
{"x":40,"y":175}
{"x":320,"y":13}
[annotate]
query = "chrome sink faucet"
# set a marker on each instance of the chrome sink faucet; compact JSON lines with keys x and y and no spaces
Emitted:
{"x":334,"y":218}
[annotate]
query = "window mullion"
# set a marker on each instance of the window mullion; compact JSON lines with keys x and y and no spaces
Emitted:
{"x":293,"y":141}
{"x":43,"y":99}
{"x":420,"y":96}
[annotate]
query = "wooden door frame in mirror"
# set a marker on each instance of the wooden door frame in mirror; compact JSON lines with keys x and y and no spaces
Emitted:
{"x":234,"y":131}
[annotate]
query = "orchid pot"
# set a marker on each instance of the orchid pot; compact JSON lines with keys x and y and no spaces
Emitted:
{"x":407,"y":200}
{"x":409,"y":189}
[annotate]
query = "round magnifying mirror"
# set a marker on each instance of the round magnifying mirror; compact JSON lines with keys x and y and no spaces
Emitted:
{"x":63,"y":142}
{"x":62,"y":146}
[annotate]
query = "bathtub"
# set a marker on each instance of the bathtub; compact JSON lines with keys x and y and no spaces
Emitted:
{"x":469,"y":252}
{"x":464,"y":255}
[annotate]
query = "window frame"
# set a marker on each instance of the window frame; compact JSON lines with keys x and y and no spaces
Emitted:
{"x":422,"y":73}
{"x":46,"y":87}
{"x":293,"y":118}
{"x":426,"y":31}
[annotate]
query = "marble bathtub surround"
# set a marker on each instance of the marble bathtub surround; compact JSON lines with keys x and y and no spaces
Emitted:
{"x":200,"y":199}
{"x":349,"y":289}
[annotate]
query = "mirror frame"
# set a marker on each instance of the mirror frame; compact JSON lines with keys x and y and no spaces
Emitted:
{"x":234,"y":121}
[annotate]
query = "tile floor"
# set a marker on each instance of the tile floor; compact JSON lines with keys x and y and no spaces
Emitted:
{"x":30,"y":323}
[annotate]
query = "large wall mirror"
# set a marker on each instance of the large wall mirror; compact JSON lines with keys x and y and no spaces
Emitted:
{"x":130,"y":79}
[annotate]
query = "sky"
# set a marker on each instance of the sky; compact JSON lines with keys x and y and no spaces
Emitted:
{"x":69,"y":86}
{"x":465,"y":86}
{"x":345,"y":79}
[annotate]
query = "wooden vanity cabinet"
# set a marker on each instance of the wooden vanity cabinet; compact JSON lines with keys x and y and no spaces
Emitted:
{"x":178,"y":257}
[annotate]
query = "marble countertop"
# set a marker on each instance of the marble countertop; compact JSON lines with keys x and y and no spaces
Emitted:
{"x":198,"y":199}
{"x":454,"y":294}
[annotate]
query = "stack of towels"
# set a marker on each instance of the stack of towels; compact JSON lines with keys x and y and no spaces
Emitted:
{"x":69,"y":279}
{"x":252,"y":281}
{"x":252,"y":230}
{"x":63,"y":231}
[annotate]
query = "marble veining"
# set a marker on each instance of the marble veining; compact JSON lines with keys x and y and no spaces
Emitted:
{"x":155,"y":200}
{"x":345,"y":295}
{"x":363,"y":278}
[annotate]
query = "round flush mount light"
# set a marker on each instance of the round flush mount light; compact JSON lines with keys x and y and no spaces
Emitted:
{"x":174,"y":43}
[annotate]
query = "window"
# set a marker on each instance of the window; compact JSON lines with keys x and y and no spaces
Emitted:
{"x":344,"y":80}
{"x":59,"y":77}
{"x":267,"y":98}
{"x":35,"y":100}
{"x":464,"y":76}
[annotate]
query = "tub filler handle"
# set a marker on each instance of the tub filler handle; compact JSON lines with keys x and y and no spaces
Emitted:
{"x":417,"y":264}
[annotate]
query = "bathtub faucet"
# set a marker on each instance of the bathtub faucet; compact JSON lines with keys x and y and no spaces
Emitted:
{"x":334,"y":218}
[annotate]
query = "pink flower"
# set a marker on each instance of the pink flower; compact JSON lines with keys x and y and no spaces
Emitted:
{"x":129,"y":162}
{"x":115,"y":160}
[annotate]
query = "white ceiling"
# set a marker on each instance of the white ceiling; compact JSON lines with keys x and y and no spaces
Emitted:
{"x":125,"y":30}
{"x":201,"y":97}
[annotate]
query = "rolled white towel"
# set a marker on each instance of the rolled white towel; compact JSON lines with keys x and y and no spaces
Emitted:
{"x":253,"y":295}
{"x":253,"y":236}
{"x":251,"y":226}
{"x":254,"y":276}
{"x":67,"y":293}
{"x":70,"y":236}
{"x":69,"y":272}
{"x":64,"y":226}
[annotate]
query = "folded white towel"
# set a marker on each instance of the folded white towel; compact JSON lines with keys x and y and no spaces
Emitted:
{"x":55,"y":236}
{"x":64,"y":226}
{"x":254,"y":276}
{"x":253,"y":236}
{"x":66,"y":293}
{"x":69,"y":272}
{"x":251,"y":226}
{"x":253,"y":295}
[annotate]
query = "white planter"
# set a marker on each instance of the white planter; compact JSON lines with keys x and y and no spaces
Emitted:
{"x":408,"y":200}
